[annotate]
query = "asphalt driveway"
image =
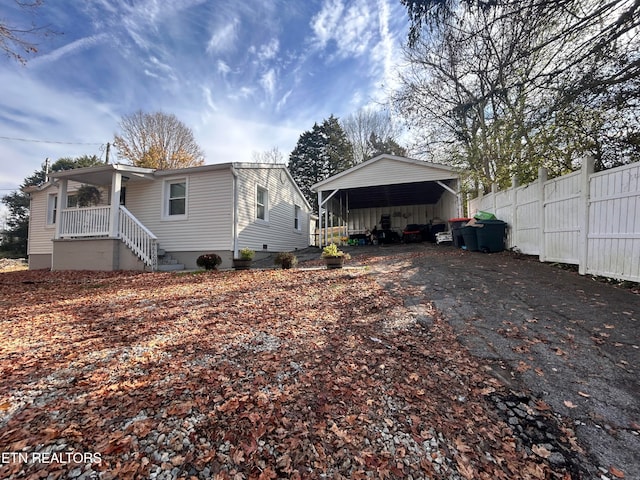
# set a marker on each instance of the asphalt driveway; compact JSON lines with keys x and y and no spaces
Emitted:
{"x":550,"y":335}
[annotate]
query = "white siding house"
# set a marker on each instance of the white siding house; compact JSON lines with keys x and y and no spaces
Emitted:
{"x":166,"y":214}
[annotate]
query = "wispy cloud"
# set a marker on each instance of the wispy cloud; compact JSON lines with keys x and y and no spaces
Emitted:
{"x":269,"y":50}
{"x":223,"y":68}
{"x":76,"y":46}
{"x":224,"y":38}
{"x":268,"y":82}
{"x":208,"y":97}
{"x":348,"y":29}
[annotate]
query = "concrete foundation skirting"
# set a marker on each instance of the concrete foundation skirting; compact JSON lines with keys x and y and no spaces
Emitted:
{"x":99,"y":254}
{"x":188,"y":259}
{"x":39,"y":261}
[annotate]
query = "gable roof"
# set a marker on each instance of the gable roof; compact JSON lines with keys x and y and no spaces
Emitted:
{"x":387,"y":170}
{"x":389,"y":180}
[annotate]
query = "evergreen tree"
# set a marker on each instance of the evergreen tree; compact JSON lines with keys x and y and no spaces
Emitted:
{"x":320,"y":153}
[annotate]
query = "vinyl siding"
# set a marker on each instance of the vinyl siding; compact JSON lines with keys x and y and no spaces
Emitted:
{"x":209,"y":219}
{"x":364,"y":219}
{"x":278,"y":232}
{"x":40,"y":234}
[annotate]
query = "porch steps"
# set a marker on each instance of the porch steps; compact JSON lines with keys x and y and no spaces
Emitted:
{"x":166,"y":263}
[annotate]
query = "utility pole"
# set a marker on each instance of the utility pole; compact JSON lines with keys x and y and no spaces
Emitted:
{"x":46,"y":169}
{"x":106,"y":160}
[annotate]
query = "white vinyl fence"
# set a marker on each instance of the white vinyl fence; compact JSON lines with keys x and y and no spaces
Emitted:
{"x":588,"y":219}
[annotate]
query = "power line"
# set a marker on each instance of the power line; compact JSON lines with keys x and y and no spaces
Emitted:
{"x":31,"y":140}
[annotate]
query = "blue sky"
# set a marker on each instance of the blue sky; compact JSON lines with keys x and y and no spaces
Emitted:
{"x":245,"y":76}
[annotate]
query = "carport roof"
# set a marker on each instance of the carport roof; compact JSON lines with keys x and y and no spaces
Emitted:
{"x":389,"y":180}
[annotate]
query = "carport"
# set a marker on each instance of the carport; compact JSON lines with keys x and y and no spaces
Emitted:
{"x":403,"y":190}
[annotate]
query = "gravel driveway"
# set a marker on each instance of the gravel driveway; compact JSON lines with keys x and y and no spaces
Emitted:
{"x":546,"y":332}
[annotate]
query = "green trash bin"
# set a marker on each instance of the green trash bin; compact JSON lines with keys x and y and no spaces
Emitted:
{"x":456,"y":235}
{"x":491,"y":235}
{"x":470,"y":237}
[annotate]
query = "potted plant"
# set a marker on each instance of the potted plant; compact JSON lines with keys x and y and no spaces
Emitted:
{"x":333,"y":257}
{"x":244,"y":262}
{"x":209,"y":261}
{"x":88,"y":196}
{"x":286,"y":260}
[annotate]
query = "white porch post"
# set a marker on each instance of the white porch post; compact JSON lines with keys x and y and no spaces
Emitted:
{"x":320,"y":218}
{"x":116,"y":185}
{"x":62,"y":204}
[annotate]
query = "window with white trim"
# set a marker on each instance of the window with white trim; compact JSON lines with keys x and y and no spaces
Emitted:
{"x":297,"y":219}
{"x":175,"y":194}
{"x":262,"y":204}
{"x":72,"y":201}
{"x":52,"y":209}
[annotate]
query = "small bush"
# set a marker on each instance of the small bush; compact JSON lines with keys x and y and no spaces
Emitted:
{"x":209,"y":261}
{"x":332,"y":251}
{"x":247,"y":254}
{"x":286,"y":260}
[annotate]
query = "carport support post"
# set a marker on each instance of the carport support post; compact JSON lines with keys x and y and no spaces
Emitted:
{"x":326,"y":215}
{"x":585,"y":173}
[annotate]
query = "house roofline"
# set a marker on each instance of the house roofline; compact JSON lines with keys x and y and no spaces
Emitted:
{"x":99,"y":169}
{"x":412,"y":161}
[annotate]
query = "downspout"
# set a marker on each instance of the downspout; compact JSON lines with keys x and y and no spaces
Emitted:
{"x":234,"y":243}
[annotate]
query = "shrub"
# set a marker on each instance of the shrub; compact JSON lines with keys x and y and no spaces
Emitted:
{"x":286,"y":260}
{"x":209,"y":261}
{"x":332,"y":250}
{"x":247,"y":254}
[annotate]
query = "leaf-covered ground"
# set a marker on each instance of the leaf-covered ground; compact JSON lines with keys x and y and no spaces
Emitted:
{"x":243,"y":375}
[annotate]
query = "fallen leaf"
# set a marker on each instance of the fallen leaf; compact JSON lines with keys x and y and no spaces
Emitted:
{"x":609,"y":326}
{"x":615,"y":472}
{"x":542,"y":406}
{"x":585,"y":395}
{"x":540,"y":451}
{"x":569,"y":404}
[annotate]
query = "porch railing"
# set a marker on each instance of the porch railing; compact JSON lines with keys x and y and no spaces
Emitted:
{"x":95,"y":222}
{"x":138,"y":238}
{"x":85,"y":222}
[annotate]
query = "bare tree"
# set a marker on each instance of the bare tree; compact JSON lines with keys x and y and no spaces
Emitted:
{"x":365,"y":124}
{"x":157,"y":140}
{"x":596,"y":42}
{"x":268,"y":156}
{"x":18,"y":41}
{"x":480,"y":89}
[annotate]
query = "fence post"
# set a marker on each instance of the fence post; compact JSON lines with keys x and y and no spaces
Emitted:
{"x":585,"y":174}
{"x":494,"y":194}
{"x":511,"y":236}
{"x":542,"y":178}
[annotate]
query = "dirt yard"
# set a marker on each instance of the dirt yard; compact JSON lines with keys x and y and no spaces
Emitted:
{"x":386,"y":369}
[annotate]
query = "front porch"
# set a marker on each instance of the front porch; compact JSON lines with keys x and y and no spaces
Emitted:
{"x":102,"y":237}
